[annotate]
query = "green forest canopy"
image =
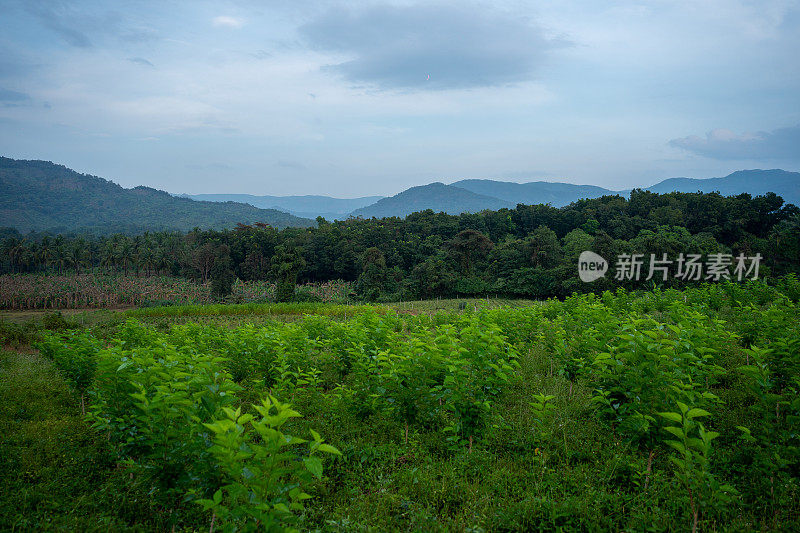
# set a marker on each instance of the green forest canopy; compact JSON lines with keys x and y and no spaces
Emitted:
{"x":526,"y":251}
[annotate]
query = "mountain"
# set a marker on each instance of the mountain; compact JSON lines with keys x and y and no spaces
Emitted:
{"x":535,"y":192}
{"x":436,"y":196}
{"x":43,"y":196}
{"x":309,"y":206}
{"x":474,"y":195}
{"x":755,"y":182}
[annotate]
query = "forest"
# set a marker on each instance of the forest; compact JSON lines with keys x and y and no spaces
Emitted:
{"x":530,"y":251}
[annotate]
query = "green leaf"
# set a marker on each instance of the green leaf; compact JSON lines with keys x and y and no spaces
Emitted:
{"x":694,"y":413}
{"x":314,"y":465}
{"x":677,"y":445}
{"x":675,"y":417}
{"x":677,"y":462}
{"x":327,"y":448}
{"x":678,"y":432}
{"x":207,"y":504}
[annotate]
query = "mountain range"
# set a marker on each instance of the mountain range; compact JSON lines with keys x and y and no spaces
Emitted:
{"x":473,"y":195}
{"x":43,"y":196}
{"x":755,"y":182}
{"x":476,"y":195}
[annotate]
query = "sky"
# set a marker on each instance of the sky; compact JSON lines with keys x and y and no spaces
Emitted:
{"x":369,"y":98}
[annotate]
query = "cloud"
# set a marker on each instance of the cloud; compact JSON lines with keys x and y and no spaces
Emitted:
{"x":138,"y":35}
{"x":8,"y":96}
{"x":228,"y":22}
{"x":15,"y":63}
{"x":781,"y":143}
{"x":428,"y":46}
{"x":55,"y":16}
{"x":141,"y":61}
{"x":284,"y":163}
{"x":211,"y":167}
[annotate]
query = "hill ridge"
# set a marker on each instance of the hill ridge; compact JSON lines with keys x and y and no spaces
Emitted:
{"x":38,"y":195}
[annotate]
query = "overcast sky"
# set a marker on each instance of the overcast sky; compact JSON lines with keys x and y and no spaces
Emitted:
{"x":362,"y":98}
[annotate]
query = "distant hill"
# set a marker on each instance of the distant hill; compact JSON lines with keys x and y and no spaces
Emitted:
{"x":755,"y":182}
{"x":535,"y":192}
{"x":492,"y":194}
{"x":436,"y":196}
{"x":43,"y":196}
{"x":309,"y":206}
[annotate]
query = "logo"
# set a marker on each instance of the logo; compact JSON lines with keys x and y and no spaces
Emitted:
{"x":687,"y":267}
{"x":591,"y":266}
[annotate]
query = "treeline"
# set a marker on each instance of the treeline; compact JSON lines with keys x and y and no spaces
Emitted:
{"x":529,"y":251}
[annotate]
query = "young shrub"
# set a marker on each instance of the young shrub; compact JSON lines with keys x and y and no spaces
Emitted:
{"x":693,"y":446}
{"x":264,"y":475}
{"x":74,"y":355}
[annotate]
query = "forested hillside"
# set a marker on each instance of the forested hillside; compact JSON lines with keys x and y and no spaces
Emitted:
{"x":755,"y":182}
{"x":307,"y":206}
{"x":535,"y":192}
{"x":529,"y":251}
{"x":42,"y":196}
{"x":436,"y":196}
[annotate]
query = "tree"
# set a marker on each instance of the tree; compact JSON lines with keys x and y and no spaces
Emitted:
{"x":374,"y":274}
{"x":125,"y":253}
{"x":544,"y":250}
{"x":467,"y":246}
{"x":45,"y":252}
{"x":203,"y":259}
{"x":431,"y":278}
{"x":222,"y":273}
{"x":76,"y":254}
{"x":255,"y":266}
{"x":286,"y":265}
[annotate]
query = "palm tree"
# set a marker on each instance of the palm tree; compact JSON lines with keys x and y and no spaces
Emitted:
{"x":77,"y":254}
{"x":16,"y":248}
{"x":146,"y":259}
{"x":45,"y":252}
{"x":92,"y":253}
{"x":107,"y":255}
{"x":61,"y":257}
{"x":125,"y":253}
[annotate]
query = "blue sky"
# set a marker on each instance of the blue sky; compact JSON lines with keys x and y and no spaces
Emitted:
{"x":361,"y":98}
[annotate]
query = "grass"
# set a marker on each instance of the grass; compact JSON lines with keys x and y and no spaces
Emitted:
{"x":61,"y":475}
{"x":249,"y":309}
{"x":509,"y":483}
{"x":57,"y":473}
{"x":83,"y":317}
{"x":247,"y":313}
{"x":456,"y":304}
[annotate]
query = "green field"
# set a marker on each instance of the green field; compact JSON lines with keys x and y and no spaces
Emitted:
{"x":663,"y":410}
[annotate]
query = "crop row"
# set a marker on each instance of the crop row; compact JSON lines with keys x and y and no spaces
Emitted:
{"x":39,"y":291}
{"x":198,"y":408}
